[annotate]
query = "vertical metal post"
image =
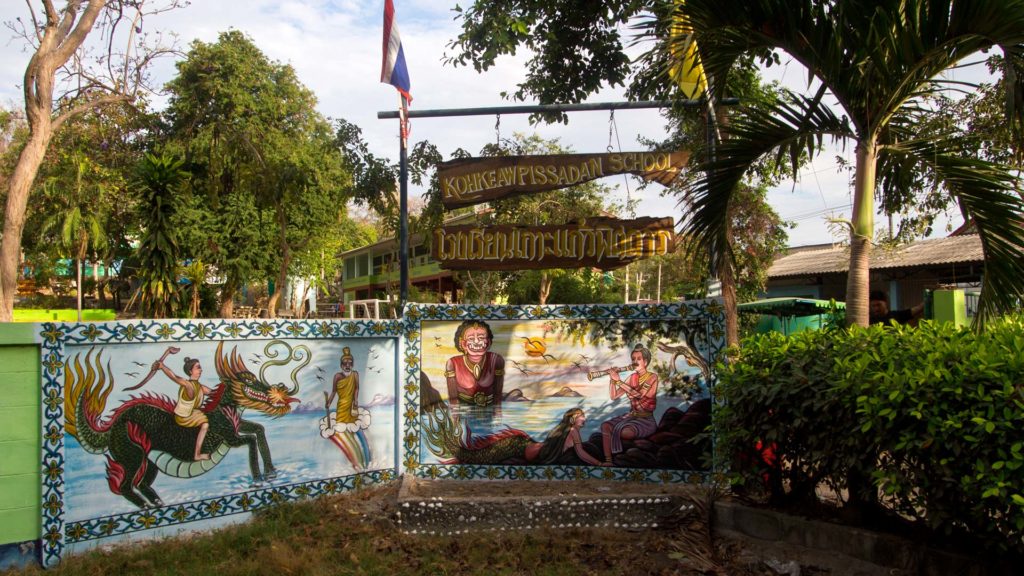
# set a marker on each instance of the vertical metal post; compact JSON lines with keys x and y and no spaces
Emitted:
{"x":403,"y":207}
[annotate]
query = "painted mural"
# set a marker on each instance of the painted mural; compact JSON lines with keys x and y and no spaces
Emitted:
{"x":546,"y":392}
{"x":159,"y":430}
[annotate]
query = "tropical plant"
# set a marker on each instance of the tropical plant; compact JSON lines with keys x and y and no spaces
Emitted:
{"x":870,"y":66}
{"x":195,"y":273}
{"x":158,"y":178}
{"x":78,"y":215}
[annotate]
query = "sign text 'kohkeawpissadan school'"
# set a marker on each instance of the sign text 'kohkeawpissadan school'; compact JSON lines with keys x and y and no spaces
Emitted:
{"x":474,"y":180}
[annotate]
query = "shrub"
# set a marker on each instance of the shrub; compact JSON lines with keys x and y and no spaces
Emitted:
{"x":934,"y":416}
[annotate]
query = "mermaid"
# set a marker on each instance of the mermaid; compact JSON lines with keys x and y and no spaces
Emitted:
{"x":448,"y":440}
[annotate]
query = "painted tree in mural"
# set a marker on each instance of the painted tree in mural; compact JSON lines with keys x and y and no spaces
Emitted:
{"x":267,"y":178}
{"x":875,"y":60}
{"x":63,"y":80}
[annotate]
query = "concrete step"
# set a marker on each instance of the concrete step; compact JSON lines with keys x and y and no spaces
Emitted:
{"x":454,"y":507}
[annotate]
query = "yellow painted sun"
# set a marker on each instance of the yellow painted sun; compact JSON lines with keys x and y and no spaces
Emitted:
{"x":534,"y":347}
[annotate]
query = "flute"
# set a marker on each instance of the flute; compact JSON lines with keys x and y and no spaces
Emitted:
{"x":599,"y":373}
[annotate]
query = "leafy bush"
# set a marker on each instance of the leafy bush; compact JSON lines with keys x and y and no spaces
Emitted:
{"x":933,"y":416}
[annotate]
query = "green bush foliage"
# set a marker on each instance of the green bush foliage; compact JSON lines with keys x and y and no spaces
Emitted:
{"x":932,"y":416}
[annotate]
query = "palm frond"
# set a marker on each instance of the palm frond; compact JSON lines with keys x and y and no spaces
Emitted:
{"x":790,"y":128}
{"x":989,"y":195}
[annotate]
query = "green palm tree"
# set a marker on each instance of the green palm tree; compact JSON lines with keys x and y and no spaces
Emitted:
{"x":81,"y":225}
{"x":871,"y":65}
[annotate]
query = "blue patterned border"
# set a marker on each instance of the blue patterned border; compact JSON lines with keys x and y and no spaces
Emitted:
{"x":709,"y":311}
{"x":54,"y":337}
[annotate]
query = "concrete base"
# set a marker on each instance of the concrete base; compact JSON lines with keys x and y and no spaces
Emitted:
{"x":856,"y":549}
{"x":452,"y":507}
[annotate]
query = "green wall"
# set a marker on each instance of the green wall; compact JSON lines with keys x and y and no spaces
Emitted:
{"x":20,"y":414}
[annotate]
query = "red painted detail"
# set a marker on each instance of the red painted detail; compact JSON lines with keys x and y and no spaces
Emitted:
{"x":147,"y":399}
{"x":213,"y":400}
{"x":138,"y":435}
{"x":485,"y":441}
{"x":115,"y":475}
{"x":234,"y":416}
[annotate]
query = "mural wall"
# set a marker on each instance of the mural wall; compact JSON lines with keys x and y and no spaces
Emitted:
{"x":150,"y":424}
{"x":610,"y":392}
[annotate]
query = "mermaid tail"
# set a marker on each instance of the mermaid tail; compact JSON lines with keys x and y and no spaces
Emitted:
{"x":448,"y":440}
{"x":349,"y":437}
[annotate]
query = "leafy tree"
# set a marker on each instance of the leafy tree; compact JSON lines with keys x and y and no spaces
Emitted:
{"x":878,"y":61}
{"x":77,"y":214}
{"x":56,"y":38}
{"x":312,"y":191}
{"x":101,"y":147}
{"x":266,"y":175}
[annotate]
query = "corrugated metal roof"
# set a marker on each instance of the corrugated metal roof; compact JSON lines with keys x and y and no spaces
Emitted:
{"x":836,"y":259}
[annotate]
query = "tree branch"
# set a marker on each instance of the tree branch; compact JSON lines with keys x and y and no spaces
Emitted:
{"x":84,"y":106}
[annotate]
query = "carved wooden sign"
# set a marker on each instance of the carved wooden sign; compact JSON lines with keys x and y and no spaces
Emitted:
{"x":604,"y":243}
{"x":474,"y":180}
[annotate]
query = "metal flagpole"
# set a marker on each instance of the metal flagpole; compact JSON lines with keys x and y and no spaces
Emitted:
{"x":403,"y":203}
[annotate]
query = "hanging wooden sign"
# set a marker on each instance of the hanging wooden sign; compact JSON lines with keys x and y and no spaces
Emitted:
{"x":604,"y":243}
{"x":471,"y":181}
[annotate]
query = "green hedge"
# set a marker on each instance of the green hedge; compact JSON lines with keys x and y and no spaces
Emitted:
{"x":932,"y":419}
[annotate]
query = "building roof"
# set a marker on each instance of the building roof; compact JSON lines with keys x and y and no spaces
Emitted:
{"x":835,"y":259}
{"x":790,"y":306}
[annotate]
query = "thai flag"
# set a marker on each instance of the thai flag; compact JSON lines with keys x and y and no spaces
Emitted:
{"x":393,"y":70}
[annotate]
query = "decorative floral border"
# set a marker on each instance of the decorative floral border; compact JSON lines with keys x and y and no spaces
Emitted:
{"x":54,"y":337}
{"x":710,"y":311}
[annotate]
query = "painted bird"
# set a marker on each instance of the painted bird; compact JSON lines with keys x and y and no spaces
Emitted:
{"x":132,"y":374}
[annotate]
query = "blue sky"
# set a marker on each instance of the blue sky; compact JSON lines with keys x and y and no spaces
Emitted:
{"x":335,"y":47}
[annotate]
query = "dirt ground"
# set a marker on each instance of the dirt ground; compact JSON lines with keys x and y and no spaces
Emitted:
{"x":688,"y":547}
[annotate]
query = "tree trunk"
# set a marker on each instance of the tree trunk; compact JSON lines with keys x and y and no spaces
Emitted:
{"x":286,"y":261}
{"x":78,"y":287}
{"x":861,"y":234}
{"x":728,"y":280}
{"x":61,"y":37}
{"x":14,"y":217}
{"x":545,"y":287}
{"x":105,"y":284}
{"x":227,"y":298}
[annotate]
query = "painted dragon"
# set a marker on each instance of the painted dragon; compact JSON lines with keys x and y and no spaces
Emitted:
{"x":140,"y":437}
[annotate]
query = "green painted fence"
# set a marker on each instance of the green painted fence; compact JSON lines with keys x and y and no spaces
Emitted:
{"x":20,"y":413}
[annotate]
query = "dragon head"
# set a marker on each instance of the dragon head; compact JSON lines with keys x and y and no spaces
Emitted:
{"x":246,"y":390}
